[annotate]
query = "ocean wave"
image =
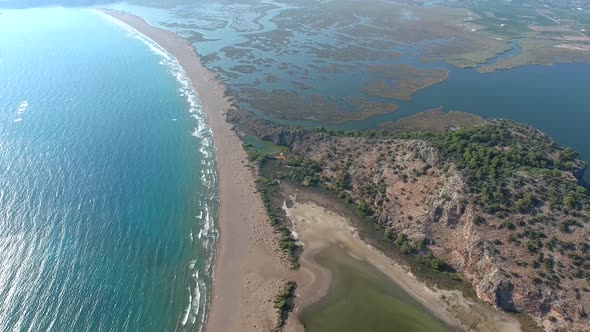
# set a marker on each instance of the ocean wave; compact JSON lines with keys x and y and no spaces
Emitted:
{"x":138,"y":35}
{"x":22,"y":107}
{"x":207,"y":235}
{"x":207,"y":224}
{"x":197,"y":299}
{"x":193,"y":309}
{"x":169,"y":61}
{"x":191,"y":264}
{"x":187,"y":311}
{"x":20,"y":111}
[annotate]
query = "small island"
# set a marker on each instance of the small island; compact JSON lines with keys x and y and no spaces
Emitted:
{"x":402,"y":81}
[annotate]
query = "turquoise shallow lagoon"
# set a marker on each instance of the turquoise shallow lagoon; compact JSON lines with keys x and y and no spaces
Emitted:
{"x":107,"y":179}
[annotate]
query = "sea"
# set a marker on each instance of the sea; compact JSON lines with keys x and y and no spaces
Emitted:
{"x":107,"y":179}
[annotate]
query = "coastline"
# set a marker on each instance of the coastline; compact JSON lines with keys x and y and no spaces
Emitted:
{"x":249,"y":270}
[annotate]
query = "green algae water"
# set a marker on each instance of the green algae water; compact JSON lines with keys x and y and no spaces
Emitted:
{"x":107,"y":179}
{"x":361,"y":298}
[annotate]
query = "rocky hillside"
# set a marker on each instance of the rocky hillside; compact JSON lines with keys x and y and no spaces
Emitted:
{"x":499,"y":203}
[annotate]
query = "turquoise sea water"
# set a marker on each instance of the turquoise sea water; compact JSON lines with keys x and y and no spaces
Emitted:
{"x":107,"y":179}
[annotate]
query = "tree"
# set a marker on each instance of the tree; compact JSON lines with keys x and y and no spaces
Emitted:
{"x":401,"y":239}
{"x":436,"y":263}
{"x":569,"y":201}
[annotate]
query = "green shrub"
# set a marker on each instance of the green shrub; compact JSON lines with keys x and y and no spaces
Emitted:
{"x":284,"y":303}
{"x":401,"y":239}
{"x":437,"y":263}
{"x":406,"y":248}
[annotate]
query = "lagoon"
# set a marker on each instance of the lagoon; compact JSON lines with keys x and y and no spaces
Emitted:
{"x":552,"y":98}
{"x":361,"y":298}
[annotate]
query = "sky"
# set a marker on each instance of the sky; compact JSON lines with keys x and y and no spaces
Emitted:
{"x":43,"y":3}
{"x":20,"y":4}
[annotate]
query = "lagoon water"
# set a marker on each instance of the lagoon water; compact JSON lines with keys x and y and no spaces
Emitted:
{"x":361,"y":298}
{"x":553,"y":99}
{"x":107,"y":179}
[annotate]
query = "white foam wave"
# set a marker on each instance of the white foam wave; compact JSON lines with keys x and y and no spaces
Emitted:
{"x":207,"y":234}
{"x":168,"y":60}
{"x":21,"y":110}
{"x":192,"y":263}
{"x":197,"y":300}
{"x":195,"y":303}
{"x":187,"y":311}
{"x":207,"y":224}
{"x":138,"y":35}
{"x":22,"y":107}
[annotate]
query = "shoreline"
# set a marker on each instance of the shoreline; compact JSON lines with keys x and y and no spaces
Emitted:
{"x":248,"y":267}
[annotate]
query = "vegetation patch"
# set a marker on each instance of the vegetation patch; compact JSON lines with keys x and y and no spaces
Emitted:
{"x":287,"y":242}
{"x":267,"y":188}
{"x":284,"y":303}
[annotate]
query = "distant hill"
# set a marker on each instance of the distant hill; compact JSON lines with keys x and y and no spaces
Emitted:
{"x":498,"y":202}
{"x":23,"y":4}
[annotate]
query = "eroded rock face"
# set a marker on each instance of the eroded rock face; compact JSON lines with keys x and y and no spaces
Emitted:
{"x":497,"y":289}
{"x":516,"y":261}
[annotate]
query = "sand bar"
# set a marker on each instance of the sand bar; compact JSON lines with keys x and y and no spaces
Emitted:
{"x":248,"y":271}
{"x":319,"y":229}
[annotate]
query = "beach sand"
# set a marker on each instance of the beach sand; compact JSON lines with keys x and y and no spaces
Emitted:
{"x":249,"y":268}
{"x":319,"y":228}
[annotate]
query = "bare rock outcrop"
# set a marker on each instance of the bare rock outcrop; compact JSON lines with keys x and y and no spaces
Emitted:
{"x":502,"y":206}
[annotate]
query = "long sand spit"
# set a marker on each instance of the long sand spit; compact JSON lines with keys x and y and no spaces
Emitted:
{"x":319,"y":228}
{"x":249,"y":271}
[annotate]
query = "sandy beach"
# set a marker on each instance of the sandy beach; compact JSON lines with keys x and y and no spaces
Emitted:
{"x":249,"y":271}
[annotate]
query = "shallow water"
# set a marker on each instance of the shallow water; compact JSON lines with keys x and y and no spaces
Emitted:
{"x":107,"y":179}
{"x":361,"y":298}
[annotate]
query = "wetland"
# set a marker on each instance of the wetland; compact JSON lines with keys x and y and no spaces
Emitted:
{"x":359,"y":67}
